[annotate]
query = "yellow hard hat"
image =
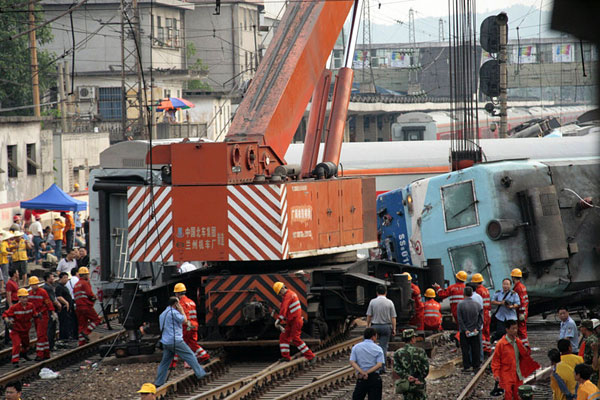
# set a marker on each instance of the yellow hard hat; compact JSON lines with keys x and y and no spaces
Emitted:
{"x":516,"y":273}
{"x":83,"y":271}
{"x":179,"y":287}
{"x":477,"y":278}
{"x":147,"y":388}
{"x":407,"y":274}
{"x":430,"y":293}
{"x":34,"y":280}
{"x":461,"y":276}
{"x":22,"y":292}
{"x":277,"y":286}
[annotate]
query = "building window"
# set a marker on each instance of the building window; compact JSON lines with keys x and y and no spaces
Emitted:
{"x":32,"y":165}
{"x":471,"y":258}
{"x":109,"y":103}
{"x":160,"y":35}
{"x":169,"y":23}
{"x":176,"y":41}
{"x":460,"y":206}
{"x":13,"y":167}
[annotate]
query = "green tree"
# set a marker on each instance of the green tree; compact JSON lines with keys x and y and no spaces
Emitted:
{"x":15,"y":61}
{"x":197,"y":66}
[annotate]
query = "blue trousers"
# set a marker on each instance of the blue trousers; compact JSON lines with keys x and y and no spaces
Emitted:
{"x":384,"y":333}
{"x":185,"y":353}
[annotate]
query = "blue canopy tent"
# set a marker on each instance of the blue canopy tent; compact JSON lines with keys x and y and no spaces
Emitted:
{"x":54,"y":199}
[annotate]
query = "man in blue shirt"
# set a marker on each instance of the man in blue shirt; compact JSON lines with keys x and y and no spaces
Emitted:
{"x":507,"y":301}
{"x":171,"y":321}
{"x":366,"y":358}
{"x":568,"y":328}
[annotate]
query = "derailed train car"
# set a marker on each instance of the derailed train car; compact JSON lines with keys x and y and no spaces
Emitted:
{"x":537,"y":215}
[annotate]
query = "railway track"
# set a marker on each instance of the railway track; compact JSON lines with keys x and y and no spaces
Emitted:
{"x":28,"y":370}
{"x":252,"y":380}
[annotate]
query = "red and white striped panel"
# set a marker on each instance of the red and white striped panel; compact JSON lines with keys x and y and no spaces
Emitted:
{"x":150,"y":224}
{"x":257,"y":222}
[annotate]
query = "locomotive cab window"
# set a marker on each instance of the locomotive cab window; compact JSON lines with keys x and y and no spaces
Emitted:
{"x":460,"y":206}
{"x":471,"y":258}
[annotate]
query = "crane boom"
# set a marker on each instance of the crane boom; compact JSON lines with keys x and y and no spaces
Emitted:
{"x":283,"y":85}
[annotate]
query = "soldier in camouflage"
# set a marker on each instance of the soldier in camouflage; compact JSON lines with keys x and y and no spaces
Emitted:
{"x":590,"y":353}
{"x":412,"y":366}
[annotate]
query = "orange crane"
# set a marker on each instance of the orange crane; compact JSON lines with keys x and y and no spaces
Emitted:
{"x":238,"y":200}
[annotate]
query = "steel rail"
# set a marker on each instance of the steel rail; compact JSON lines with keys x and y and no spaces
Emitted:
{"x":473,"y":383}
{"x":33,"y":369}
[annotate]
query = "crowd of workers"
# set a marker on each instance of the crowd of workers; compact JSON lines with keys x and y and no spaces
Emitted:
{"x":573,"y":376}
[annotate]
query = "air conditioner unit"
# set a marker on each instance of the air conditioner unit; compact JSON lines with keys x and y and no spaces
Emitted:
{"x":86,"y":93}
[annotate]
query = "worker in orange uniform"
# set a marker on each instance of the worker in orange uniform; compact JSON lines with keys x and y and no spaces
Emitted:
{"x":509,"y":371}
{"x":19,"y":317}
{"x":290,"y":313}
{"x":433,"y":312}
{"x":68,"y":230}
{"x":454,"y":292}
{"x":523,"y":309}
{"x":417,"y":319}
{"x":43,"y":305}
{"x":190,"y":329}
{"x":87,"y":318}
{"x":477,"y":281}
{"x":57,"y":233}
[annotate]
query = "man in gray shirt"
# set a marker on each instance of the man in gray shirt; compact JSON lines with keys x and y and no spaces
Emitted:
{"x":381,"y":315}
{"x":470,"y":322}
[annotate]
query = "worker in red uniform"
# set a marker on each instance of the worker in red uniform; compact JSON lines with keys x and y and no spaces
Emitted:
{"x":477,"y":281}
{"x":87,"y":318}
{"x":417,"y":319}
{"x":523,"y":309}
{"x":43,"y":305}
{"x":433,"y":312}
{"x":190,"y":329}
{"x":511,"y":362}
{"x":290,"y":313}
{"x":454,"y":292}
{"x":19,"y":317}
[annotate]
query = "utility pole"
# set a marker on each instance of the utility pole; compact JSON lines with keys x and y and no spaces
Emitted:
{"x":70,"y":105}
{"x":35,"y":83}
{"x":502,"y":21}
{"x":441,"y":30}
{"x":61,"y":93}
{"x":133,"y":113}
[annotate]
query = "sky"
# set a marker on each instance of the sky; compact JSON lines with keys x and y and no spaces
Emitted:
{"x":439,"y":8}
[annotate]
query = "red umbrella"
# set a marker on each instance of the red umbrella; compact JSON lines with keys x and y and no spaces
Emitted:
{"x":174,"y":103}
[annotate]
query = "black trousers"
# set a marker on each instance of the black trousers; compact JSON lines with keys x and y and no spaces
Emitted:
{"x":69,"y":239}
{"x":51,"y":331}
{"x":471,"y":350}
{"x":371,"y":386}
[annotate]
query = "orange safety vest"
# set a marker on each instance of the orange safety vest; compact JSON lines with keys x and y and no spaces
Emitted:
{"x":290,"y":309}
{"x":57,"y":229}
{"x":522,"y":292}
{"x":504,"y":363}
{"x":433,"y":315}
{"x":456,"y":293}
{"x":189,"y":308}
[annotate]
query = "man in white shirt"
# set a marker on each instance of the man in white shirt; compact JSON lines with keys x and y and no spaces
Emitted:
{"x":73,"y":281}
{"x":68,"y":263}
{"x":38,"y":235}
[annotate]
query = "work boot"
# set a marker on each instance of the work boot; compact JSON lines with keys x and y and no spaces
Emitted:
{"x":204,"y":360}
{"x":283,"y":359}
{"x":313,"y":361}
{"x":15,"y":364}
{"x":86,"y":337}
